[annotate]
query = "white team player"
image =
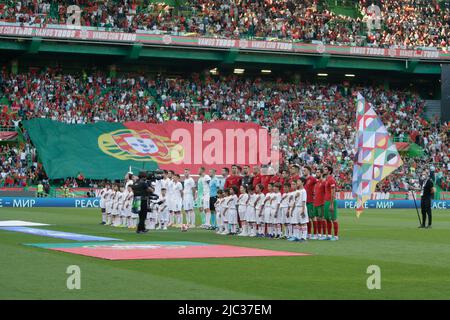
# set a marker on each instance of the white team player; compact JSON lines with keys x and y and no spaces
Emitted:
{"x":128,"y":206}
{"x":225,"y":199}
{"x":163,"y":209}
{"x":205,"y":180}
{"x":276,"y":217}
{"x":259,"y":205}
{"x":284,"y":205}
{"x":102,"y":196}
{"x":188,"y":198}
{"x":242,"y":210}
{"x":122,"y":212}
{"x":115,"y":207}
{"x":231,"y":209}
{"x":108,"y":204}
{"x":267,"y":209}
{"x":177,"y":189}
{"x":169,"y":190}
{"x":219,"y":211}
{"x":304,"y":218}
{"x":294,"y":212}
{"x":250,"y":216}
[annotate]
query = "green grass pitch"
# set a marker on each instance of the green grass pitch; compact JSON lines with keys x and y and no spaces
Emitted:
{"x":415,"y":264}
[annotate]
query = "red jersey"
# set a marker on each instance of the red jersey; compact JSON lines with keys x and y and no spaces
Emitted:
{"x":330,"y":183}
{"x":319,"y":193}
{"x":233,"y":181}
{"x":309,"y":187}
{"x":256,"y":180}
{"x":294,"y":178}
{"x":265,"y":180}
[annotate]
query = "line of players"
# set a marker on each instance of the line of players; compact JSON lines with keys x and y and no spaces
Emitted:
{"x":282,"y":206}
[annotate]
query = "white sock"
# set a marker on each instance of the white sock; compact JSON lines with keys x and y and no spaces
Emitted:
{"x":208,"y":218}
{"x":104,"y":217}
{"x":233,"y":228}
{"x":108,"y":219}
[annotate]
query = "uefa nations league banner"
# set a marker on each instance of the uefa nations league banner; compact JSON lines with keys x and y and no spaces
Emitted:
{"x":13,"y":202}
{"x":106,"y":150}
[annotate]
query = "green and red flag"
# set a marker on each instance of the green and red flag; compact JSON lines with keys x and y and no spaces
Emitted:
{"x":108,"y":150}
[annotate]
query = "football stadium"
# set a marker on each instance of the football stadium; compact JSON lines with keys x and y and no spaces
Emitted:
{"x":224,"y":150}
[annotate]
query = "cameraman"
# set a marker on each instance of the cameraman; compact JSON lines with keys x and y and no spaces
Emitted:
{"x":141,"y":191}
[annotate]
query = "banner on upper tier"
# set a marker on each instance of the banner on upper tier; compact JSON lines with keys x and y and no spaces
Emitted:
{"x":107,"y":150}
{"x":95,"y":203}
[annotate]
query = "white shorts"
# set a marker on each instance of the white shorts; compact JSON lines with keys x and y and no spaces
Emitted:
{"x":242,"y":212}
{"x":206,"y":202}
{"x":108,"y":207}
{"x":259,"y":217}
{"x":232,"y":216}
{"x":305,"y":219}
{"x":267,"y":215}
{"x":250,"y":215}
{"x":277,"y":214}
{"x":188,"y":203}
{"x":128,"y":211}
{"x":177,"y":204}
{"x":283,"y":215}
{"x":123,"y":212}
{"x":295,"y":218}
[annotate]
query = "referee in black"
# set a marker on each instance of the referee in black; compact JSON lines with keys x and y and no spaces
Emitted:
{"x":426,"y":197}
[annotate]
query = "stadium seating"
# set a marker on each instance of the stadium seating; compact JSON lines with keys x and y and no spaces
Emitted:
{"x":323,"y":113}
{"x":404,"y":24}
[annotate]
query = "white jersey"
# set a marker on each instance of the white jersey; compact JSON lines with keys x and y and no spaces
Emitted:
{"x":301,"y":200}
{"x":276,"y":199}
{"x":243,"y":198}
{"x":118,"y":200}
{"x":260,"y":198}
{"x":205,"y":180}
{"x":165,"y":184}
{"x":177,"y":190}
{"x":158,"y":186}
{"x":102,"y":197}
{"x":188,"y":188}
{"x":284,"y":203}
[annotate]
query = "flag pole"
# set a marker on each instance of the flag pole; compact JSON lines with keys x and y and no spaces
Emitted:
{"x":415,"y":204}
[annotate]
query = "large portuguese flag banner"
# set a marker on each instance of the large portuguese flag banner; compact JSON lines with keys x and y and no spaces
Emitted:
{"x":106,"y":150}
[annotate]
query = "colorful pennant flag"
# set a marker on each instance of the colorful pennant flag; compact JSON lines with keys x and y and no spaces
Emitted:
{"x":376,"y":156}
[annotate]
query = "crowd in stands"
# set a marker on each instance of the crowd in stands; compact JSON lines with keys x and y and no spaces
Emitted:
{"x":15,"y":171}
{"x":316,"y":120}
{"x":405,"y":23}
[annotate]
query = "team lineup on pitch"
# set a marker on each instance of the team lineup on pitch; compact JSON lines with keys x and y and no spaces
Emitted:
{"x":292,"y":205}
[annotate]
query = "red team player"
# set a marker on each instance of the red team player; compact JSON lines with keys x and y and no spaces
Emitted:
{"x":265,"y":178}
{"x":234,"y":179}
{"x":319,"y":200}
{"x":256,"y":176}
{"x":330,"y":206}
{"x":309,"y":187}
